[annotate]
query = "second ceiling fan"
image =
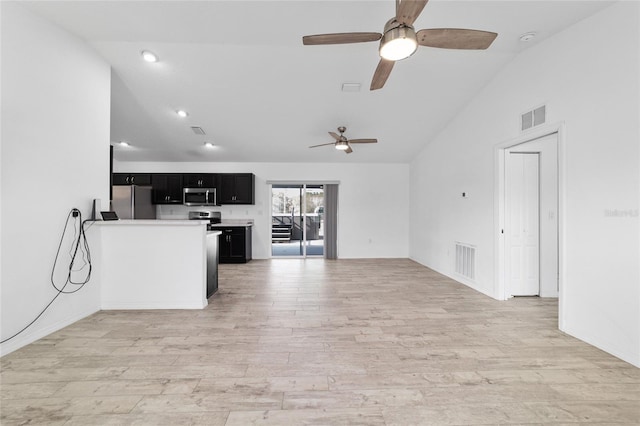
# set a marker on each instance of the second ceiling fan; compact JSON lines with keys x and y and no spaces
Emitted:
{"x":342,"y":143}
{"x":400,"y":40}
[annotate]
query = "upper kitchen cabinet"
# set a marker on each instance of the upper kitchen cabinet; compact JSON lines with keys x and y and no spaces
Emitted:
{"x":132,"y":179}
{"x":237,"y":188}
{"x":199,"y":180}
{"x":167,"y":188}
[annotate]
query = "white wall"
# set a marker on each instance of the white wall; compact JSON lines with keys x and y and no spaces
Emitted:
{"x":588,"y":78}
{"x":55,"y":156}
{"x":373,"y":202}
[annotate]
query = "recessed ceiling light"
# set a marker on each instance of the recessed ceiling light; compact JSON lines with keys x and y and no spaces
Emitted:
{"x":124,"y":143}
{"x":208,"y":145}
{"x":149,"y":56}
{"x":182,"y":113}
{"x":527,"y":36}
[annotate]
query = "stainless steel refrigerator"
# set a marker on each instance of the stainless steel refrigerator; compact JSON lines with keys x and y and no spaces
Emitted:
{"x":133,"y":202}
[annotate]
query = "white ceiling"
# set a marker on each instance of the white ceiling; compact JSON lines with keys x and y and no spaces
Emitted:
{"x":239,"y":68}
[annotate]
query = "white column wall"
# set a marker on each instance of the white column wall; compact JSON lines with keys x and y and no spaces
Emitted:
{"x":373,"y":202}
{"x":55,"y":156}
{"x":151,"y":264}
{"x":587,"y":76}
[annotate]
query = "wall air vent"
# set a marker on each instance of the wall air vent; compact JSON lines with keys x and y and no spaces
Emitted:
{"x":198,"y":130}
{"x":466,"y":260}
{"x":533,"y":118}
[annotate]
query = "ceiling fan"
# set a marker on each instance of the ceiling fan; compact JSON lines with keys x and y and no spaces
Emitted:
{"x":342,"y":143}
{"x":399,"y":40}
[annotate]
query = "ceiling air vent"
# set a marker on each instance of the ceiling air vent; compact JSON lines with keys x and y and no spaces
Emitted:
{"x":198,"y":130}
{"x":533,"y":118}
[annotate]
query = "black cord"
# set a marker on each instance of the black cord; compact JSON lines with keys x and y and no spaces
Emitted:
{"x":79,"y":237}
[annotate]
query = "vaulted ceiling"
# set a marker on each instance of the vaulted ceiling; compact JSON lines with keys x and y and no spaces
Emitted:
{"x":241,"y":72}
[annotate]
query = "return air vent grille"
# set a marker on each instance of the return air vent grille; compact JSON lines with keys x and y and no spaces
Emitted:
{"x":198,"y":130}
{"x":466,"y":260}
{"x":533,"y":118}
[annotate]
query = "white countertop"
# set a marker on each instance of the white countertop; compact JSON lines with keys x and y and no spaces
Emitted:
{"x":152,"y":222}
{"x":231,"y":223}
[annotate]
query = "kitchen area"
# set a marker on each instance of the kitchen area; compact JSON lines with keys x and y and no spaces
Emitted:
{"x":167,"y":260}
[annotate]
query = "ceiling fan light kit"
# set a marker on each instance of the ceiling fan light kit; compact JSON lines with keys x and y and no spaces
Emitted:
{"x":342,"y":145}
{"x":398,"y":42}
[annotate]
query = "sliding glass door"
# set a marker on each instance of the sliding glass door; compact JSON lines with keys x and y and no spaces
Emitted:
{"x":297,"y":220}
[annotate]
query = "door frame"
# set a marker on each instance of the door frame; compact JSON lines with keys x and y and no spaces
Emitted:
{"x":303,"y":184}
{"x":500,"y":208}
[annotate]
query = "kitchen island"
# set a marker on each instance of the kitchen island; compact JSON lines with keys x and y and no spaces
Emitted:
{"x":156,"y":264}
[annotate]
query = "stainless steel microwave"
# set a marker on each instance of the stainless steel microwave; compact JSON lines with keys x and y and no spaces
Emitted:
{"x":199,"y":196}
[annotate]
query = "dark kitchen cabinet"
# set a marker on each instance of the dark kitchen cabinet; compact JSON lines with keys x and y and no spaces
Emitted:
{"x":212,"y":263}
{"x":237,"y":188}
{"x":167,"y":188}
{"x":199,"y":180}
{"x":132,"y":179}
{"x":235,"y":244}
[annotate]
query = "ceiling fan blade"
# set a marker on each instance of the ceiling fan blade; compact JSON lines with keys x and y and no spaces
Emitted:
{"x":322,"y":144}
{"x":407,"y":11}
{"x":340,"y":38}
{"x":382,"y":73}
{"x":363,"y":140}
{"x":335,"y":135}
{"x":348,"y":150}
{"x":455,"y":38}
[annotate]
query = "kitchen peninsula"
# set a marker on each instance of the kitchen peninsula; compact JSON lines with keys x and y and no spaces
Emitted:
{"x":156,"y":264}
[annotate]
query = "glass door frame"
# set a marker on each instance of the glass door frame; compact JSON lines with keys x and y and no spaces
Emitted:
{"x":302,"y":187}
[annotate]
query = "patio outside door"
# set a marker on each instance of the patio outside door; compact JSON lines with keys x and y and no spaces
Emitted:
{"x":297,"y":225}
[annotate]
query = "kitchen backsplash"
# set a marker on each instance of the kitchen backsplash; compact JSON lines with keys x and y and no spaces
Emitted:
{"x":229,"y":213}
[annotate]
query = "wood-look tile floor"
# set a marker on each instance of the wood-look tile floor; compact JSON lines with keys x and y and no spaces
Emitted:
{"x":347,"y":342}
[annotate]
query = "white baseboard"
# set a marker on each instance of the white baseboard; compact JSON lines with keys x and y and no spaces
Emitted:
{"x":118,"y":305}
{"x":27,"y":337}
{"x":631,"y":358}
{"x":472,"y":285}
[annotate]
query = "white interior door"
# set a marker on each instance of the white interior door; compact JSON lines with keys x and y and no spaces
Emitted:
{"x":522,"y":226}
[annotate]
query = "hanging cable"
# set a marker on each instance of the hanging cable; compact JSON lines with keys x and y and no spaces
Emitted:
{"x":79,"y":244}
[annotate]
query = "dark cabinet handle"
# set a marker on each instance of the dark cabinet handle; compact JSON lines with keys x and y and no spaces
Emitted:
{"x":132,"y":179}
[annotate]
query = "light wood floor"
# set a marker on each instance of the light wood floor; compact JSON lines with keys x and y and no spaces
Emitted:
{"x":348,"y":342}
